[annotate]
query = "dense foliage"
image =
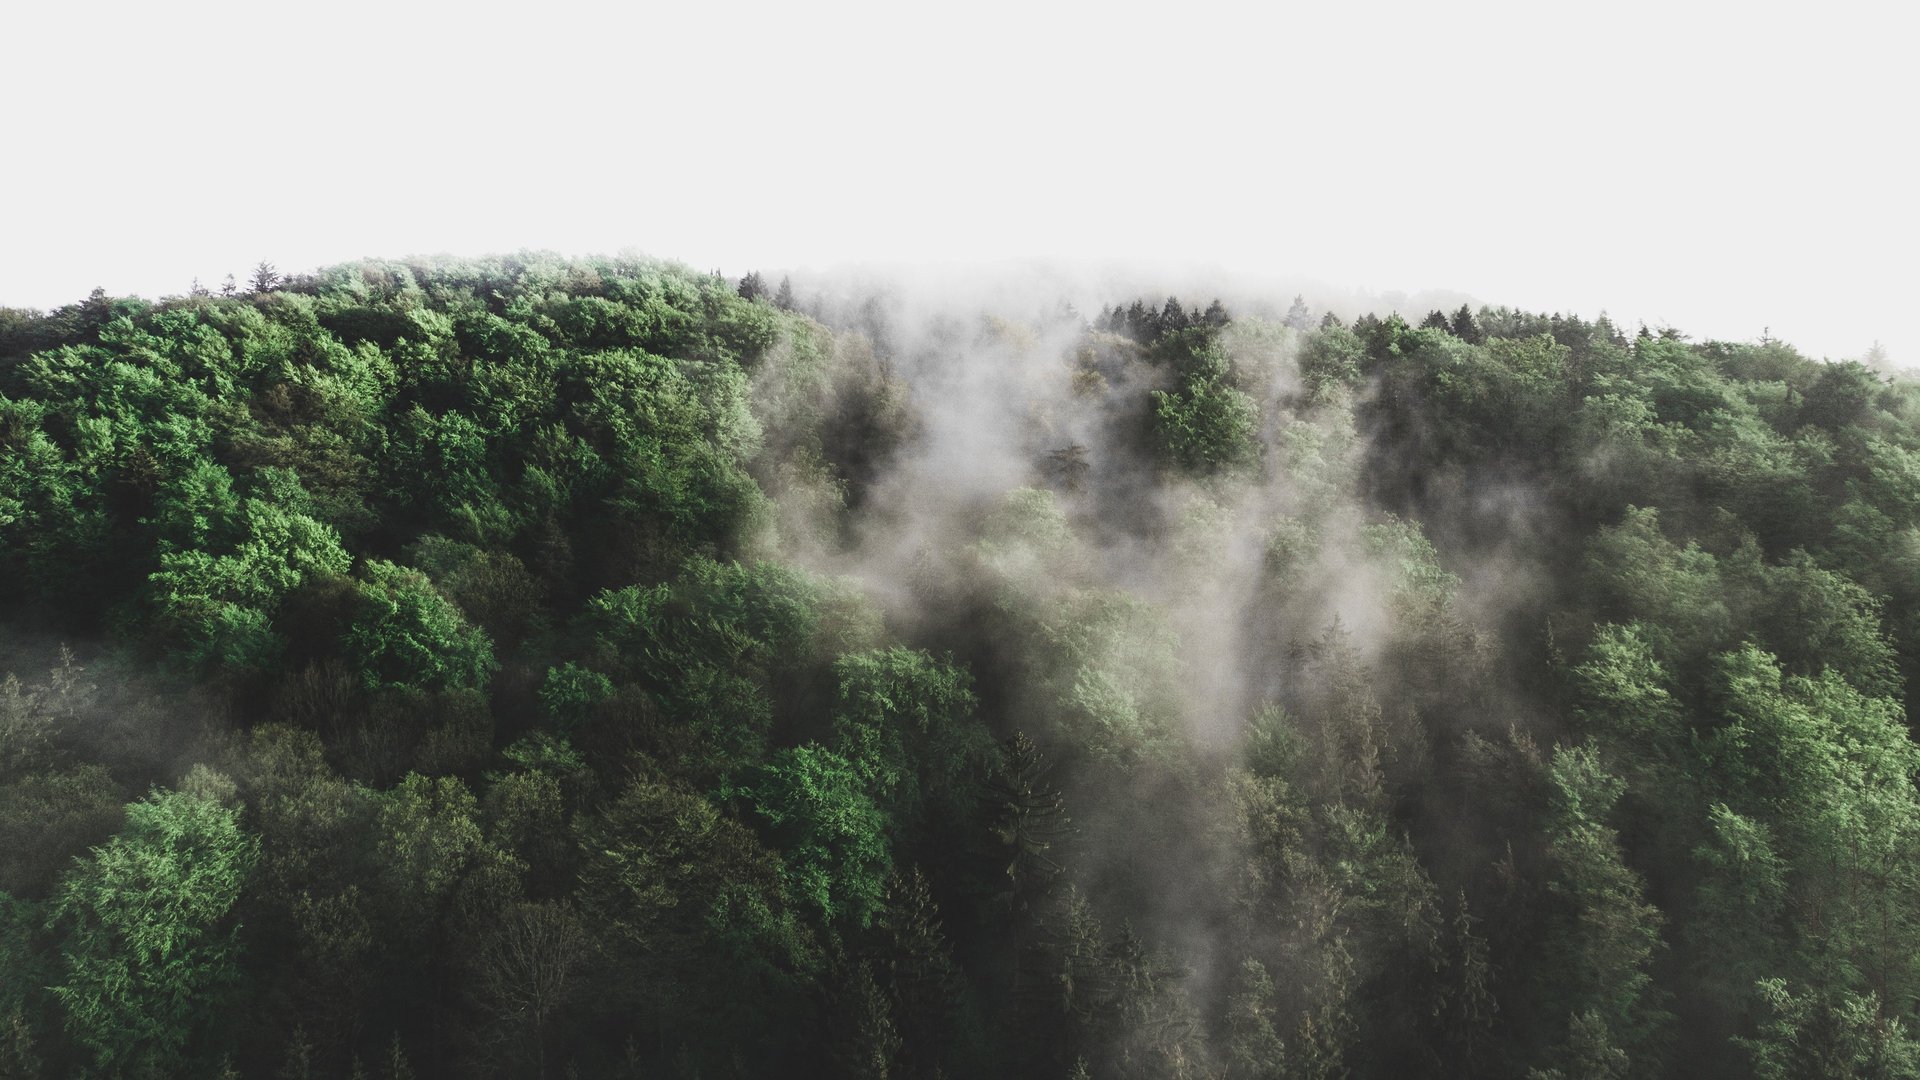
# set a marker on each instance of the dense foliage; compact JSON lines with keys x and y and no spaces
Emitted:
{"x":532,"y":667}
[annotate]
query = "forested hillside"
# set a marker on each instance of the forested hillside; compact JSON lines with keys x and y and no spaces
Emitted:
{"x":534,"y":668}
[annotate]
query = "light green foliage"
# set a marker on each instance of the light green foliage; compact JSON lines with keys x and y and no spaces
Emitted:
{"x":1676,"y":592}
{"x":1741,"y":899}
{"x":694,"y":768}
{"x":1509,"y":395}
{"x":570,"y":692}
{"x":1627,"y":453}
{"x":1026,"y":534}
{"x":1816,"y":619}
{"x":1320,"y":457}
{"x":438,"y":463}
{"x":146,"y":939}
{"x":718,"y":610}
{"x":708,"y":644}
{"x":1111,"y":663}
{"x":1831,"y":772}
{"x":540,"y":751}
{"x":679,"y":434}
{"x":405,"y":633}
{"x":1263,"y":354}
{"x":1330,"y":361}
{"x":905,"y":721}
{"x":1622,"y":691}
{"x":218,"y":607}
{"x":198,"y":509}
{"x":1605,"y":947}
{"x":1207,"y":425}
{"x":1422,"y":589}
{"x":1809,"y":1036}
{"x":834,"y":838}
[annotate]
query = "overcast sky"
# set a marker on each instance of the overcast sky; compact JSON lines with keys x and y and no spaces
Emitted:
{"x":1722,"y":168}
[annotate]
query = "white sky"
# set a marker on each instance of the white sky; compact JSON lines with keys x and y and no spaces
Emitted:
{"x":1718,"y":167}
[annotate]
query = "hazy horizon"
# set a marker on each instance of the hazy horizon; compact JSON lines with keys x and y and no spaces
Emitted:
{"x":1727,"y":175}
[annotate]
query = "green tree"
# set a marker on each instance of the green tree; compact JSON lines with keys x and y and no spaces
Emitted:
{"x":1607,"y":934}
{"x":707,"y":949}
{"x":405,"y":633}
{"x":1206,"y":425}
{"x":821,"y":814}
{"x":905,"y":720}
{"x":1844,"y":1037}
{"x":1029,"y":818}
{"x":147,"y":940}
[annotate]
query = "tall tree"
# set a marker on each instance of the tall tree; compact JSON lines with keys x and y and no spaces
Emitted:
{"x":147,"y":940}
{"x":1299,"y":316}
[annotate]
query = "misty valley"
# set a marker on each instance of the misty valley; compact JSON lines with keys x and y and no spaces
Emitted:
{"x":544,"y":667}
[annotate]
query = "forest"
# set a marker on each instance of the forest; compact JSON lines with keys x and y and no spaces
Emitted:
{"x":541,"y":667}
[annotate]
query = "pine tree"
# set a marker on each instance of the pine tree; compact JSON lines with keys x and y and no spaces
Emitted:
{"x":1298,"y":316}
{"x":1031,"y":819}
{"x":265,"y":278}
{"x":784,"y":298}
{"x":299,"y":1062}
{"x":1255,"y":1050}
{"x":397,"y":1065}
{"x":866,"y":1042}
{"x":1173,"y":318}
{"x":1463,"y":326}
{"x":753,"y":286}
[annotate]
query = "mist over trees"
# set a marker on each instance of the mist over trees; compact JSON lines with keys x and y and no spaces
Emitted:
{"x":533,"y":667}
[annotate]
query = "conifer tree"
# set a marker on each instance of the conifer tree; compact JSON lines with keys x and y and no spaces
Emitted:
{"x":1298,"y":316}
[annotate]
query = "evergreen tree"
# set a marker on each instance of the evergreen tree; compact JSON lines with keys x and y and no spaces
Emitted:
{"x":1298,"y":316}
{"x":1173,"y":318}
{"x":1463,"y":326}
{"x":1029,"y":820}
